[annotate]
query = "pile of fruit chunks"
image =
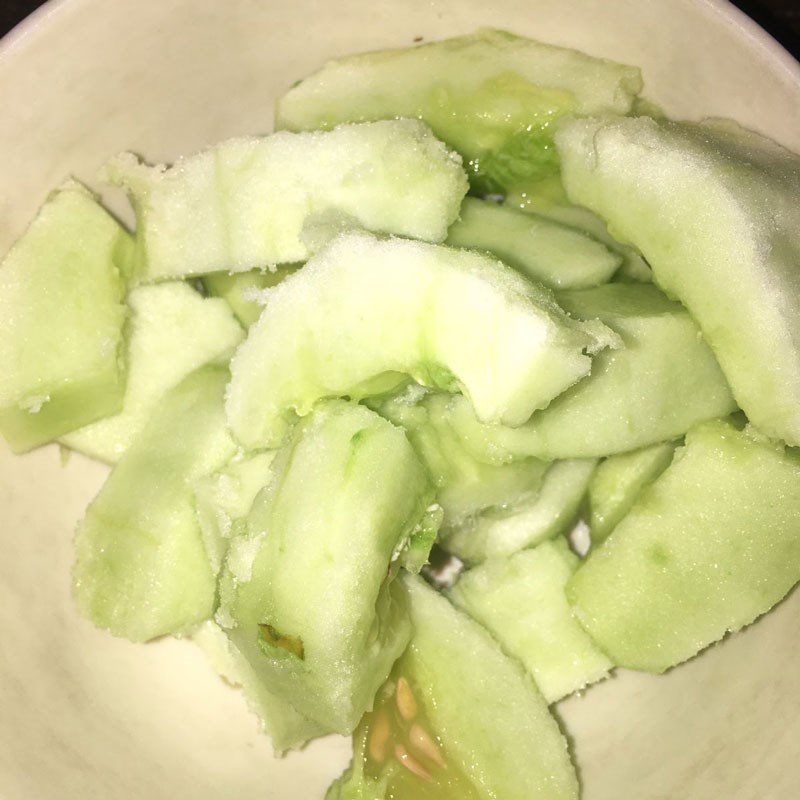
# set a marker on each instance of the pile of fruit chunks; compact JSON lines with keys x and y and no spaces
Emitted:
{"x":317,"y":359}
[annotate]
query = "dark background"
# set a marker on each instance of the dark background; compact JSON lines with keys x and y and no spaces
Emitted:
{"x":780,"y":17}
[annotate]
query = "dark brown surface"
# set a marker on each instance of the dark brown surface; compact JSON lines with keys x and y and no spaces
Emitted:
{"x":780,"y":17}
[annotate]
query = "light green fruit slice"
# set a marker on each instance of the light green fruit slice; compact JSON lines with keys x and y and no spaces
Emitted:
{"x":141,"y":570}
{"x":242,"y":204}
{"x":225,"y":498}
{"x":617,"y":483}
{"x":661,"y":382}
{"x":550,"y":512}
{"x":242,"y":291}
{"x":542,"y":250}
{"x":61,"y":319}
{"x":365,"y":312}
{"x":464,"y":485}
{"x":287,"y":729}
{"x":521,"y":601}
{"x":491,"y":95}
{"x":709,"y":547}
{"x":308,"y":587}
{"x":714,"y":210}
{"x":172,"y":330}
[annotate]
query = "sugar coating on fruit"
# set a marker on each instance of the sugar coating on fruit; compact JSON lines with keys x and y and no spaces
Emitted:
{"x":706,"y":549}
{"x":713,"y":208}
{"x":243,"y":204}
{"x":61,"y":320}
{"x":172,"y":330}
{"x":365,"y":313}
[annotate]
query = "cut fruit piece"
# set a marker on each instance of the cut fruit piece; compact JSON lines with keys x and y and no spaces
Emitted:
{"x":493,"y":96}
{"x":617,"y":483}
{"x":173,"y":331}
{"x":714,"y":210}
{"x":657,"y":386}
{"x":306,"y":587}
{"x":279,"y":720}
{"x":141,"y":570}
{"x":549,"y":513}
{"x":61,"y":318}
{"x":464,"y":485}
{"x":242,"y":205}
{"x":709,"y":547}
{"x":243,"y":290}
{"x":459,"y":721}
{"x":542,"y":250}
{"x":521,"y":602}
{"x":225,"y":498}
{"x":365,"y":312}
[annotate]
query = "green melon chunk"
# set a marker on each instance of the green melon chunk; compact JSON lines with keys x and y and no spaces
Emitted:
{"x":464,"y":485}
{"x":365,"y":311}
{"x":617,"y":483}
{"x":502,"y":532}
{"x":242,"y":290}
{"x":491,"y":95}
{"x":61,"y":319}
{"x":242,"y":204}
{"x":521,"y":602}
{"x":141,"y":570}
{"x":279,"y":720}
{"x":173,"y":330}
{"x":225,"y":498}
{"x":542,"y":250}
{"x":306,"y":588}
{"x":714,"y":210}
{"x":709,"y":547}
{"x":663,"y":381}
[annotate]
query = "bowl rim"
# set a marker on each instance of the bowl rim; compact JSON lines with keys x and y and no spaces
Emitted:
{"x":723,"y":10}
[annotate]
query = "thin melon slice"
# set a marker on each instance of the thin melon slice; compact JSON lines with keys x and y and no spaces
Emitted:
{"x":172,"y":331}
{"x":550,"y":512}
{"x":61,"y":319}
{"x":661,"y":382}
{"x":365,"y":312}
{"x":308,"y":588}
{"x":491,"y":95}
{"x":556,"y":255}
{"x":459,"y":721}
{"x":242,"y":204}
{"x":521,"y":601}
{"x":712,"y":545}
{"x":617,"y":483}
{"x":714,"y":210}
{"x":141,"y":570}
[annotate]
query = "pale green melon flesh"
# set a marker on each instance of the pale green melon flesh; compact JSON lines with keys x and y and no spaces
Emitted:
{"x":141,"y":570}
{"x":521,"y":602}
{"x":661,"y":382}
{"x":709,"y":547}
{"x":464,"y":485}
{"x":491,"y":95}
{"x":617,"y":483}
{"x":348,"y":491}
{"x":556,"y":255}
{"x":172,"y":330}
{"x":714,"y":210}
{"x":242,"y":205}
{"x":224,"y":499}
{"x":61,"y":319}
{"x":548,"y":513}
{"x":242,"y":290}
{"x":286,"y":728}
{"x":366,"y":309}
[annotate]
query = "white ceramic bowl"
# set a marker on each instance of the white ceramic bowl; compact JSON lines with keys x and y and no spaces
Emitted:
{"x":83,"y":715}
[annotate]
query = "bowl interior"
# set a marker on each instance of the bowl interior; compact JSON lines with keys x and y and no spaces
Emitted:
{"x":84,"y":714}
